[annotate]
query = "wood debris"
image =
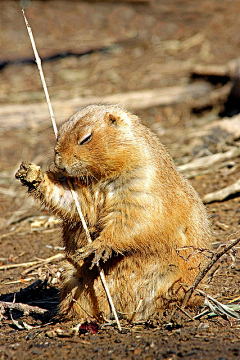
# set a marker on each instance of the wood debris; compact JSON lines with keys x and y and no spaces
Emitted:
{"x":218,"y":254}
{"x":25,"y":308}
{"x":222,"y":194}
{"x":206,"y":162}
{"x":22,"y":115}
{"x":231,"y":69}
{"x":230,"y":125}
{"x":56,"y":257}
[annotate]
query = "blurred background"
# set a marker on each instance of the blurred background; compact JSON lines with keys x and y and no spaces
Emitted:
{"x":106,"y":47}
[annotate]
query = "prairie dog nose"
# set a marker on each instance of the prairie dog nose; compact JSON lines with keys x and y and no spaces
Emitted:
{"x":59,"y":162}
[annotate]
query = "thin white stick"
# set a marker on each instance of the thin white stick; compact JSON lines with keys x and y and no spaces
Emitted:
{"x":38,"y":61}
{"x":101,"y":272}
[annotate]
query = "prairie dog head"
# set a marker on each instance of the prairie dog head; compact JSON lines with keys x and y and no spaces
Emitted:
{"x":97,"y":142}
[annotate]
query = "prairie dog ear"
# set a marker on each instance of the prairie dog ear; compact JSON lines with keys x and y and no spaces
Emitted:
{"x":112,"y":119}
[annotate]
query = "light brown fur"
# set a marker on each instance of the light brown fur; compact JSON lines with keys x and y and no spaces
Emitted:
{"x":137,"y":206}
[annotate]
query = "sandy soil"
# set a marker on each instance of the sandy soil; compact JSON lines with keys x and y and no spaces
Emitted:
{"x":129,"y":46}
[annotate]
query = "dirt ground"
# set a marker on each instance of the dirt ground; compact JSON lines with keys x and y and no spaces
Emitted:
{"x":99,"y":48}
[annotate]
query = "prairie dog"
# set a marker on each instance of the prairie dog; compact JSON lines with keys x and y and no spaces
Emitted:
{"x":139,"y":210}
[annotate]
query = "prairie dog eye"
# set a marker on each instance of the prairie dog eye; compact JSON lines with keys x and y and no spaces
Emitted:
{"x":85,"y":139}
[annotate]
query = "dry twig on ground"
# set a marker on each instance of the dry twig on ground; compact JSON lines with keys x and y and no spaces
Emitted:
{"x":56,"y":257}
{"x":22,"y":115}
{"x":25,"y":308}
{"x":231,"y":69}
{"x":223,"y":250}
{"x":222,"y":194}
{"x":207,"y":161}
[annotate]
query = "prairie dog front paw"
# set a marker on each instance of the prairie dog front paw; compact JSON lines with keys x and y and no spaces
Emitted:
{"x":29,"y":174}
{"x":98,"y":249}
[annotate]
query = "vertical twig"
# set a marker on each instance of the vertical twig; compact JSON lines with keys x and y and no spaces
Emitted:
{"x":39,"y":65}
{"x":101,"y":272}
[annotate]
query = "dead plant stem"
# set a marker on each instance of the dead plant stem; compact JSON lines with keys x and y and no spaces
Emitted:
{"x":38,"y":61}
{"x":201,"y":275}
{"x":25,"y":308}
